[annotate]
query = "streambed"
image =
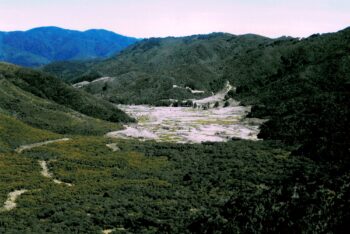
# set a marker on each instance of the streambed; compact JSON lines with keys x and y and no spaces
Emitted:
{"x":188,"y":125}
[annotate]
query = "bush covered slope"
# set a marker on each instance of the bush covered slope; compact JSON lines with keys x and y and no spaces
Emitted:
{"x":235,"y":187}
{"x":41,"y":46}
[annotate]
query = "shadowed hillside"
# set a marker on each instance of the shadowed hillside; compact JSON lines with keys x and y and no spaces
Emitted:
{"x":302,"y":86}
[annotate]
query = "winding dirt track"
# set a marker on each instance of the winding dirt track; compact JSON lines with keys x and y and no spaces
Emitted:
{"x":10,"y":203}
{"x":113,"y":146}
{"x":46,"y":173}
{"x":30,"y":146}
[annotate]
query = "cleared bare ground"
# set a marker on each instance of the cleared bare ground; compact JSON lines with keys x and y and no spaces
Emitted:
{"x":10,"y":203}
{"x":46,"y":173}
{"x":191,"y":125}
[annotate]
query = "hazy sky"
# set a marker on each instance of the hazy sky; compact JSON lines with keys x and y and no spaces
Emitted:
{"x":149,"y":18}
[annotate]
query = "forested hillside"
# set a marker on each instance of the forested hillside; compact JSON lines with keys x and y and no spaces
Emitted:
{"x":147,"y":71}
{"x":48,"y":87}
{"x":40,"y":46}
{"x":302,"y":86}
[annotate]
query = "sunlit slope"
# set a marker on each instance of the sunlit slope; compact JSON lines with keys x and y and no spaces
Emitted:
{"x":150,"y":187}
{"x":44,"y":114}
{"x":50,"y":88}
{"x":14,"y":133}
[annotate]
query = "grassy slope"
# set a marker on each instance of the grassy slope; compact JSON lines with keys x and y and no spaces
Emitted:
{"x":44,"y":114}
{"x":48,"y":87}
{"x":14,"y":133}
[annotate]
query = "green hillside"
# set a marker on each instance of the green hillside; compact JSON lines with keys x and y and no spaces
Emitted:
{"x":147,"y":71}
{"x":44,"y":114}
{"x":48,"y":87}
{"x":302,"y":86}
{"x":14,"y":133}
{"x":72,"y":70}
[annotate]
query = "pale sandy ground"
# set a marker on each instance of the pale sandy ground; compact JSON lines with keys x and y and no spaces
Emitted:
{"x":188,"y":88}
{"x":218,"y":97}
{"x":30,"y":146}
{"x":46,"y":173}
{"x":85,"y":83}
{"x":10,"y":203}
{"x":190,"y":125}
{"x":113,"y":146}
{"x":108,"y":231}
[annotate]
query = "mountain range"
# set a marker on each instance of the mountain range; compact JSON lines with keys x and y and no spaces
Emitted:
{"x":43,"y":45}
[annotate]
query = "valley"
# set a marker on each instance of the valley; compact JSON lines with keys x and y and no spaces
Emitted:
{"x":212,"y":133}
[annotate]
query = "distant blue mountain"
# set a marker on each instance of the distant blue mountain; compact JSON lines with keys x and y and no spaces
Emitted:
{"x":40,"y":46}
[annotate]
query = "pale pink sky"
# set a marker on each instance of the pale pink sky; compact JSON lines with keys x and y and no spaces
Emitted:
{"x":157,"y":18}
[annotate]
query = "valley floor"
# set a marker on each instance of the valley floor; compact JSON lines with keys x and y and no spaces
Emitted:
{"x":189,"y":125}
{"x":201,"y":123}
